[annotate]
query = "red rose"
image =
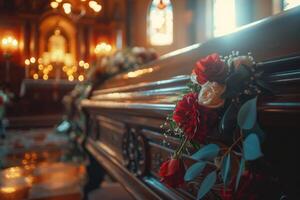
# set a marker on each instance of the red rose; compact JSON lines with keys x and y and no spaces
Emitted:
{"x":172,"y":172}
{"x":195,"y":120}
{"x":210,"y":68}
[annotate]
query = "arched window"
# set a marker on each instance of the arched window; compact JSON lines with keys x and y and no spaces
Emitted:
{"x":160,"y":23}
{"x":224,"y":18}
{"x":288,"y":4}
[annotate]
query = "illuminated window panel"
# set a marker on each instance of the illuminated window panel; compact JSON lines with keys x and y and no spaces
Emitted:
{"x":288,"y":4}
{"x":160,"y":23}
{"x":224,"y":17}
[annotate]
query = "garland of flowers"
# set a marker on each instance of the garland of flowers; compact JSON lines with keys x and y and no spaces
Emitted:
{"x":220,"y":103}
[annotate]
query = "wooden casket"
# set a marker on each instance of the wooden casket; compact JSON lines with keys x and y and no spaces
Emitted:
{"x":125,"y":113}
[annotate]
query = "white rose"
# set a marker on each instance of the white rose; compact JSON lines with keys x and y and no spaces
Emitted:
{"x":210,"y":95}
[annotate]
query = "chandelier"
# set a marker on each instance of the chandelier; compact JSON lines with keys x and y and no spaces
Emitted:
{"x":76,"y":9}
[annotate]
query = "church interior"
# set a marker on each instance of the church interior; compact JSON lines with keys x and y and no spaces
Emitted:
{"x":149,"y":99}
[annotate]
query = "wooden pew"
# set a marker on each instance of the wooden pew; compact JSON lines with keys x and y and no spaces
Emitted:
{"x":125,"y":113}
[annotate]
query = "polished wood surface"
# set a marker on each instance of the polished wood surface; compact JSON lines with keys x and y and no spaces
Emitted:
{"x":125,"y":113}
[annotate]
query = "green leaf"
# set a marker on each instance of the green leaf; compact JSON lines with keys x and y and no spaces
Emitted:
{"x":239,"y":174}
{"x":195,"y":144}
{"x":257,"y":130}
{"x":172,"y":125}
{"x":207,"y":184}
{"x":194,"y":171}
{"x":63,"y":126}
{"x":226,"y":169}
{"x":251,"y":147}
{"x":247,"y":114}
{"x":207,"y":152}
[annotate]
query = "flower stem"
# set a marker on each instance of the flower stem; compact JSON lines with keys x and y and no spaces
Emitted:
{"x":182,"y":145}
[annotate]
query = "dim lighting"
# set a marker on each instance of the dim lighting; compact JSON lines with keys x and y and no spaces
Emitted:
{"x":86,"y":65}
{"x":27,"y":62}
{"x":71,"y":78}
{"x":80,"y":77}
{"x":35,"y":76}
{"x":32,"y":59}
{"x":54,"y":4}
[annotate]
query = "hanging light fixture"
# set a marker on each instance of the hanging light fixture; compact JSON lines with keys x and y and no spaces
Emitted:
{"x":68,"y":8}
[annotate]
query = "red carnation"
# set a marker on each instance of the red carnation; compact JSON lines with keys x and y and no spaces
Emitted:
{"x":172,"y":172}
{"x":210,"y":68}
{"x":195,"y":120}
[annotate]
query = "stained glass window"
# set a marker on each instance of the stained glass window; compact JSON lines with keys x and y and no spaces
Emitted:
{"x":288,"y":4}
{"x":160,"y":23}
{"x":224,"y":18}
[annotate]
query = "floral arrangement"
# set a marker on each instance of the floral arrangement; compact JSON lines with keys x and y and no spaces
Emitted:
{"x":220,"y":105}
{"x":122,"y":60}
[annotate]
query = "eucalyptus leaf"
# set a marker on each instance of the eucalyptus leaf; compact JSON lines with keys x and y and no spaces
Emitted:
{"x":64,"y":126}
{"x":240,"y":172}
{"x":257,"y":130}
{"x":207,"y":152}
{"x":226,"y":169}
{"x":228,"y":121}
{"x":207,"y":184}
{"x":251,"y":147}
{"x":194,"y":171}
{"x":247,"y":114}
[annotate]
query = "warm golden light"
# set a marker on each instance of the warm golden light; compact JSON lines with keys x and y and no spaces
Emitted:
{"x":102,"y":48}
{"x":81,"y":63}
{"x":32,"y":59}
{"x":8,"y":190}
{"x":139,"y":72}
{"x":92,"y":4}
{"x":58,"y":1}
{"x":81,"y":78}
{"x":40,"y":60}
{"x":35,"y":76}
{"x":54,"y":4}
{"x":9,"y":43}
{"x":45,"y":77}
{"x":86,"y":65}
{"x":71,"y":78}
{"x":27,"y":62}
{"x":97,"y":8}
{"x":41,"y":67}
{"x":67,"y":8}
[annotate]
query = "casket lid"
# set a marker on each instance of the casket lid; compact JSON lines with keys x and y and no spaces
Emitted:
{"x":273,"y":37}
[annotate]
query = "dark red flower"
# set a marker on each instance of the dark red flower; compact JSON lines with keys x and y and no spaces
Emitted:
{"x":210,"y":68}
{"x":195,"y":120}
{"x":1,"y":101}
{"x":172,"y":172}
{"x":249,"y":187}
